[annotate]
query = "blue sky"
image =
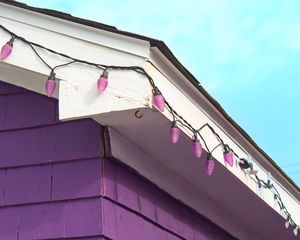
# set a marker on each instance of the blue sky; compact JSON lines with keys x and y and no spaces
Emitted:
{"x":245,"y":53}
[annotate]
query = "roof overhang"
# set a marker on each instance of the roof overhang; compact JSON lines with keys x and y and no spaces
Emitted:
{"x":228,"y":197}
{"x":136,"y":45}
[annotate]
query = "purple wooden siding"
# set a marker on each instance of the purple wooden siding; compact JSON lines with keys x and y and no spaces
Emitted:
{"x":137,"y":204}
{"x":52,"y":175}
{"x":50,"y":172}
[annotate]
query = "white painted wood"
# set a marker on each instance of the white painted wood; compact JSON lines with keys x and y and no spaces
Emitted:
{"x":220,"y":198}
{"x":23,"y":78}
{"x":195,"y":108}
{"x":79,"y":97}
{"x":74,"y":30}
{"x":77,"y":86}
{"x":23,"y":56}
{"x":148,"y":150}
{"x":166,"y":68}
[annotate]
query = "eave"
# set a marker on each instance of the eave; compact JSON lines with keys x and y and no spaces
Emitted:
{"x":128,"y":93}
{"x":166,"y":52}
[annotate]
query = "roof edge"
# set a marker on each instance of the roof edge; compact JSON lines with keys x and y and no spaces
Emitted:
{"x":170,"y":56}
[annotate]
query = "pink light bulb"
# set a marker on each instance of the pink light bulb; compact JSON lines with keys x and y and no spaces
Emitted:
{"x":158,"y":100}
{"x":6,"y":49}
{"x":209,"y":166}
{"x":228,"y":157}
{"x":102,"y":82}
{"x":50,"y":85}
{"x":287,"y":224}
{"x":174,"y":133}
{"x":197,"y":148}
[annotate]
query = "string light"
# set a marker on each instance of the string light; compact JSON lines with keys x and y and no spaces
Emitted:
{"x":158,"y":99}
{"x":197,"y":147}
{"x":295,"y":231}
{"x":174,"y":132}
{"x":228,"y":156}
{"x":6,"y":49}
{"x":248,"y":166}
{"x":287,"y":223}
{"x":102,"y":82}
{"x":50,"y":84}
{"x":209,"y":166}
{"x":161,"y":104}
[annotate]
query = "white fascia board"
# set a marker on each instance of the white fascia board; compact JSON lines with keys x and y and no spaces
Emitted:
{"x":79,"y":98}
{"x":195,"y":107}
{"x":75,"y":30}
{"x":77,"y":90}
{"x":23,"y":78}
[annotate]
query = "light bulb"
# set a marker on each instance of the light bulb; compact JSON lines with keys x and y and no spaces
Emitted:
{"x":50,"y":85}
{"x":174,"y":132}
{"x":209,"y":166}
{"x":6,"y":49}
{"x":287,"y":224}
{"x":228,"y":157}
{"x":295,"y":231}
{"x":197,"y":147}
{"x":102,"y":82}
{"x":158,"y":100}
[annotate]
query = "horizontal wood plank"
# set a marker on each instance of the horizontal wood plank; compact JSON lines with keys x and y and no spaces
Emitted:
{"x":83,"y":218}
{"x":29,"y":110}
{"x":42,"y":221}
{"x":71,"y":140}
{"x":121,"y":224}
{"x":20,"y":147}
{"x":27,"y":185}
{"x":65,"y":141}
{"x":9,"y":223}
{"x":80,"y":219}
{"x":76,"y":179}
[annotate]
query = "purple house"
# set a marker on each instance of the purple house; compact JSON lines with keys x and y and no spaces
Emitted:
{"x":95,"y":161}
